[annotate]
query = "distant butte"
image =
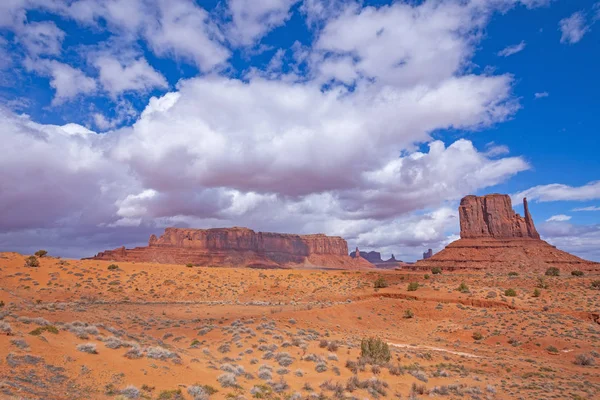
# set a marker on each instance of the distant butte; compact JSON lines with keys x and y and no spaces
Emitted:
{"x":239,"y":247}
{"x":493,"y":236}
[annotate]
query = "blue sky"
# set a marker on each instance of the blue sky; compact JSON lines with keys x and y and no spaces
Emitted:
{"x":368,"y":120}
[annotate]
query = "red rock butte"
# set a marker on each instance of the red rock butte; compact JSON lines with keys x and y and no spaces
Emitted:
{"x":239,"y":247}
{"x":494,"y":237}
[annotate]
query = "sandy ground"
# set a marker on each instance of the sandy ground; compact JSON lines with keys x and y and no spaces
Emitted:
{"x":169,"y":331}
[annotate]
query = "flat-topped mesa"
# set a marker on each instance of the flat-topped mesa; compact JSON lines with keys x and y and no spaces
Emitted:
{"x":237,"y":247}
{"x":492,"y":216}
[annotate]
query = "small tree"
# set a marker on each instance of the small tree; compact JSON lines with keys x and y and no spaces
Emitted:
{"x":510,"y":292}
{"x":41,"y":253}
{"x":112,"y":267}
{"x":413,"y":286}
{"x":380,"y":283}
{"x":436,"y":270}
{"x":552,"y":271}
{"x":32,"y":262}
{"x":463,"y":288}
{"x":375,"y":351}
{"x":577,"y":273}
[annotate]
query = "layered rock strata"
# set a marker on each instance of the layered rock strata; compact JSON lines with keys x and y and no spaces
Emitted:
{"x":238,"y":247}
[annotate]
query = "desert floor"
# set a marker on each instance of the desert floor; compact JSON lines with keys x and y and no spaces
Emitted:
{"x":72,"y":329}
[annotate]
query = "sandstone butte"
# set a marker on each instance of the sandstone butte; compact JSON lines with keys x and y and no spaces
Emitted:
{"x":493,"y":236}
{"x":239,"y":247}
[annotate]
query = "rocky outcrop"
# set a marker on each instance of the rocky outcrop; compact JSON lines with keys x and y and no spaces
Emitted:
{"x":427,"y":254}
{"x":237,"y":247}
{"x":492,"y":216}
{"x":374,"y":257}
{"x":494,"y":237}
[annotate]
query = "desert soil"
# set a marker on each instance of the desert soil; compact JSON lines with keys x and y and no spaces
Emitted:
{"x":72,"y":329}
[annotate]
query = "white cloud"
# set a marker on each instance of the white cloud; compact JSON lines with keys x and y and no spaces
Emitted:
{"x":590,"y":208}
{"x":68,"y":82}
{"x":560,"y":192}
{"x":573,"y":28}
{"x":514,"y":49}
{"x":41,"y":38}
{"x":541,"y":95}
{"x":251,"y":20}
{"x":132,"y":74}
{"x":185,"y":30}
{"x":583,"y":240}
{"x":559,"y":218}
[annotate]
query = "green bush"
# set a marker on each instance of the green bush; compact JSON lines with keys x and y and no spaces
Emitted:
{"x":426,"y":276}
{"x":552,"y":271}
{"x":375,"y":351}
{"x":413,"y":286}
{"x":380,"y":283}
{"x":595,"y":284}
{"x":436,"y":270}
{"x":542,"y":283}
{"x":477,"y":335}
{"x":513,"y":273}
{"x":41,"y":253}
{"x":577,"y":273}
{"x":552,"y":349}
{"x":113,"y":267}
{"x":189,"y":265}
{"x":510,"y":292}
{"x":42,"y":329}
{"x":463,"y":288}
{"x":408,"y":313}
{"x":32,"y":261}
{"x":537,"y":292}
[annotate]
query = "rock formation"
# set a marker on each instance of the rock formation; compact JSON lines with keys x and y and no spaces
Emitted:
{"x":494,"y":236}
{"x":492,"y":216}
{"x":238,"y":247}
{"x":427,"y":254}
{"x":374,"y":257}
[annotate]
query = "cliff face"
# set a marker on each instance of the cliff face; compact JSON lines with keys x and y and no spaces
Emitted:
{"x":493,"y":236}
{"x":236,"y":247}
{"x":492,"y":216}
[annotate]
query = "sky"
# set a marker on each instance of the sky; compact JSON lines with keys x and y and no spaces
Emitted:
{"x":364,"y":119}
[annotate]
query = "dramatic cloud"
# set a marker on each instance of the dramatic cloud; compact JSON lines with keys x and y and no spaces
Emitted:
{"x":559,"y":218}
{"x":560,"y":192}
{"x":514,"y":49}
{"x":334,"y":136}
{"x":573,"y":28}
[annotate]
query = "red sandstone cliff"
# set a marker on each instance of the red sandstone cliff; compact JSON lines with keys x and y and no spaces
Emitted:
{"x":493,"y":236}
{"x":238,"y":247}
{"x":492,"y":216}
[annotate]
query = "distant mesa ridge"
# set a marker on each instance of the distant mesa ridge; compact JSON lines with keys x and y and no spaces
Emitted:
{"x":238,"y":247}
{"x":493,"y":236}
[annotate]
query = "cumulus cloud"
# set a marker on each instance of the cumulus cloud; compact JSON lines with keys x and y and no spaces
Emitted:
{"x":336,"y":149}
{"x":250,"y":20}
{"x":559,"y":218}
{"x":68,"y":82}
{"x":560,"y":192}
{"x":573,"y":28}
{"x":133,"y":74}
{"x":514,"y":49}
